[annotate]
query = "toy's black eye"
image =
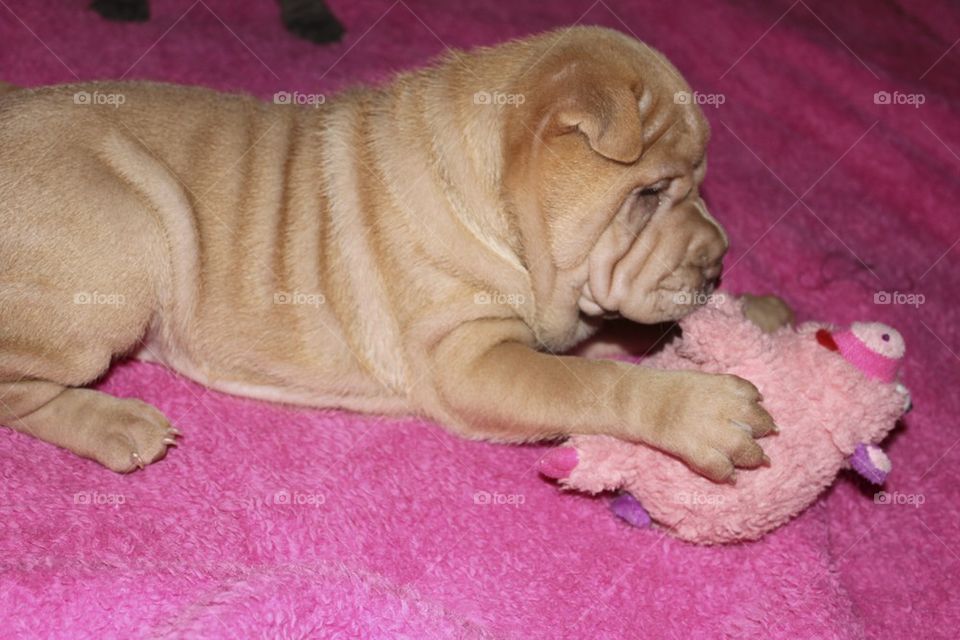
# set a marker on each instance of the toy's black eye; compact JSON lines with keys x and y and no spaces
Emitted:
{"x":885,"y":337}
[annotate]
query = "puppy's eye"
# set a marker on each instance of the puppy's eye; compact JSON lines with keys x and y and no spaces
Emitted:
{"x":649,"y":197}
{"x":655,"y":189}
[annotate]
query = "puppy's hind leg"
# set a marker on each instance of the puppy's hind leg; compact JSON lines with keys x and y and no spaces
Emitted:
{"x":51,"y":347}
{"x":122,"y":435}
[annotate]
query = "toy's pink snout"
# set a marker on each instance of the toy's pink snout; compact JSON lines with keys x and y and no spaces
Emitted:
{"x":559,"y":463}
{"x":874,"y":348}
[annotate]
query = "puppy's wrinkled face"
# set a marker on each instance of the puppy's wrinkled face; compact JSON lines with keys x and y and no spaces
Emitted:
{"x":661,"y":253}
{"x":615,"y":164}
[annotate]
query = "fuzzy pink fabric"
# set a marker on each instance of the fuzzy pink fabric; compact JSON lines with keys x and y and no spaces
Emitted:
{"x":393,"y":528}
{"x":823,"y":403}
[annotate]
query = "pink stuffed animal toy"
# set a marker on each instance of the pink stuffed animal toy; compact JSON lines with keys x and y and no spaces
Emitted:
{"x":834,"y":396}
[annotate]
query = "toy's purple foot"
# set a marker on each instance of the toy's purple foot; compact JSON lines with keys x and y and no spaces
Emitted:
{"x":628,"y":508}
{"x":871,"y":462}
{"x":559,"y":463}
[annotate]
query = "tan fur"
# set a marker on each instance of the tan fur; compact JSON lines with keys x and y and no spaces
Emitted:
{"x":437,"y":250}
{"x":767,"y":312}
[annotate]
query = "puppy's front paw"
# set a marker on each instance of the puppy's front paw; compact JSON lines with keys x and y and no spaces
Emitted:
{"x":710,"y":422}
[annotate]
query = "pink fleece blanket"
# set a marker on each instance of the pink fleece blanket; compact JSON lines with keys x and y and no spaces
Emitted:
{"x":293,"y":523}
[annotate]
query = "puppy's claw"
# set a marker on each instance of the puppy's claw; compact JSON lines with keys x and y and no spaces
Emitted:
{"x":170,"y":442}
{"x":137,"y":460}
{"x":175,"y":431}
{"x":743,"y":426}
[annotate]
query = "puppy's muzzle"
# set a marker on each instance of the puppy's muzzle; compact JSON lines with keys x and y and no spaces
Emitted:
{"x":709,"y":247}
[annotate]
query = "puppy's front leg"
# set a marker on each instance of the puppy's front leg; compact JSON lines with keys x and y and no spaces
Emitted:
{"x":490,"y":383}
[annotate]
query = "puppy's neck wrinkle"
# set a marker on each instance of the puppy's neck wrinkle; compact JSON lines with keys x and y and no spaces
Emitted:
{"x":463,"y":149}
{"x":455,"y":150}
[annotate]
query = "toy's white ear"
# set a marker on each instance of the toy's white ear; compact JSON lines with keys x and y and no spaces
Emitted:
{"x":719,"y":332}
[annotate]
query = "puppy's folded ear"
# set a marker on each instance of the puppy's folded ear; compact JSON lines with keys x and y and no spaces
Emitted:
{"x":608,"y":116}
